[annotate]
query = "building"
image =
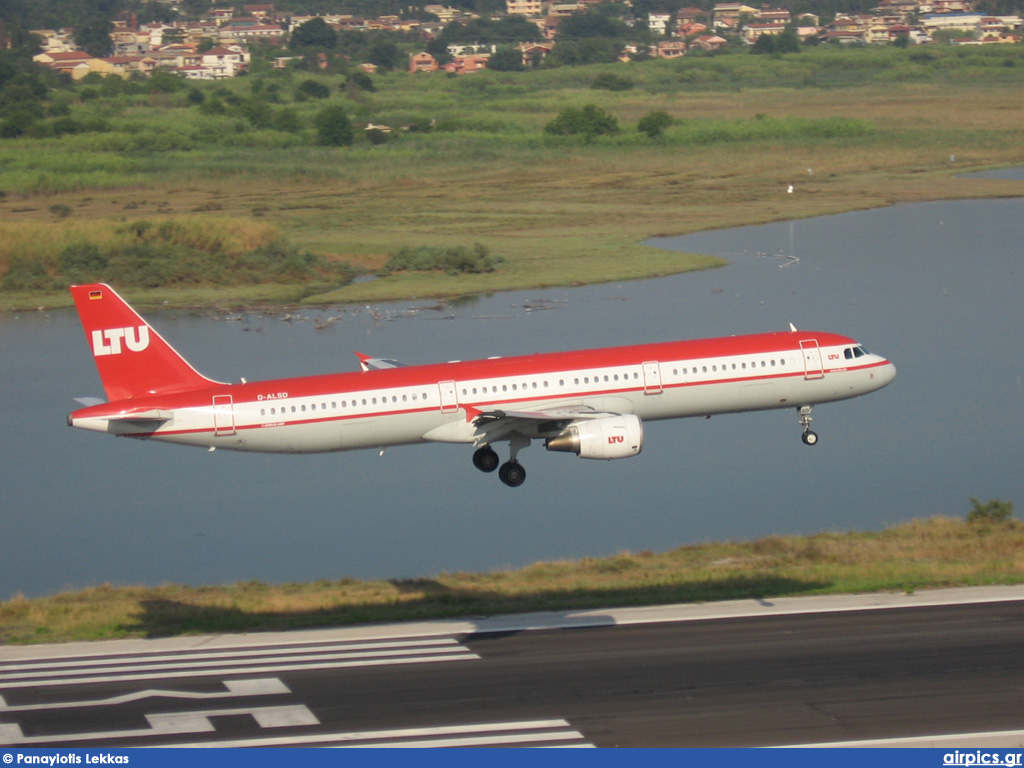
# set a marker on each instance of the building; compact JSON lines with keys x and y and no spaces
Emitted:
{"x":422,"y":62}
{"x":523,"y":7}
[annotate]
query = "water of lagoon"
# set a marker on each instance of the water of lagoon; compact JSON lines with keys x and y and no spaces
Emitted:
{"x":936,"y":287}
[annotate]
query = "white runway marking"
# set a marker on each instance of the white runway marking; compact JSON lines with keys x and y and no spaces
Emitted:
{"x":986,"y":739}
{"x":232,"y":661}
{"x":270,"y":686}
{"x":171,"y":724}
{"x":555,"y":733}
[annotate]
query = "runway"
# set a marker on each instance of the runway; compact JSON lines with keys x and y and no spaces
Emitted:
{"x":920,"y":673}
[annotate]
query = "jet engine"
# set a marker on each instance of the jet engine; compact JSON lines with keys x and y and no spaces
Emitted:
{"x":610,"y":437}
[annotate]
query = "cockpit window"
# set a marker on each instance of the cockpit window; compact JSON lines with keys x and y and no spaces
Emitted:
{"x":851,"y":352}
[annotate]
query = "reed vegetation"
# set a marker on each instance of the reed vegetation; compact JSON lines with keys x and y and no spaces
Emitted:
{"x":469,"y":162}
{"x":938,"y":552}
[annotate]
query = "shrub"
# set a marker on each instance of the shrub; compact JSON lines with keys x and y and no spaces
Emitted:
{"x":611,"y":82}
{"x":454,"y":261}
{"x":83,"y":263}
{"x":992,"y":511}
{"x":361,"y":81}
{"x":653,"y":123}
{"x":333,"y":128}
{"x":314,"y":90}
{"x":590,"y":121}
{"x":26,"y":274}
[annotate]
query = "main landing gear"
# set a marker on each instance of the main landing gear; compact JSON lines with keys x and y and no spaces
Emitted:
{"x":511,"y":473}
{"x":809,"y":437}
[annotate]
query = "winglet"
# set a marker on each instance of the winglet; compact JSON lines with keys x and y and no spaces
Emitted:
{"x":368,"y":363}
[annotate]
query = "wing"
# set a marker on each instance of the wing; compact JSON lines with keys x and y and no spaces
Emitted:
{"x":368,"y":363}
{"x":494,"y":425}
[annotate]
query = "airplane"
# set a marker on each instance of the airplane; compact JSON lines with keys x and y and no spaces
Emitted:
{"x":593,"y":403}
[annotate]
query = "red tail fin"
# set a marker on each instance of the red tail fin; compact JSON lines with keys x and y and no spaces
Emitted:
{"x":132,"y":359}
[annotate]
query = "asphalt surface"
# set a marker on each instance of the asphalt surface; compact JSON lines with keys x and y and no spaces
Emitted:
{"x":922,"y":675}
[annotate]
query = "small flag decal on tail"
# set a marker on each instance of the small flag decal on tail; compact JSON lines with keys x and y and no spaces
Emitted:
{"x":93,"y":295}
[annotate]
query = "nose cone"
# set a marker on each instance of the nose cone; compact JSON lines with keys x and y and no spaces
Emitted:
{"x":884,"y":374}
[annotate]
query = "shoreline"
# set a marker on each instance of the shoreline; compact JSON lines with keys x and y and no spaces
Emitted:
{"x":287,"y":297}
{"x":923,"y":554}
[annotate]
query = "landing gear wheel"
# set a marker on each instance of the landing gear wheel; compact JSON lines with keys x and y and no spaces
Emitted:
{"x":485,"y":459}
{"x":512,"y":474}
{"x":809,"y":437}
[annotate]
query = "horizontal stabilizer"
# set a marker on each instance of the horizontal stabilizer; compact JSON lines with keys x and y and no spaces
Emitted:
{"x":142,"y":416}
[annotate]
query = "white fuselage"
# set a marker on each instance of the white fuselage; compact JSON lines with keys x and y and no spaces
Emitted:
{"x":436,"y":403}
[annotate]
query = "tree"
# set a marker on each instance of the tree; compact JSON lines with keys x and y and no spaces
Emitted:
{"x":287,"y":120}
{"x":506,"y":59}
{"x":593,"y":50}
{"x":314,"y":89}
{"x":384,"y":53}
{"x":653,"y":123}
{"x":763,"y":44}
{"x":257,"y":112}
{"x":93,"y":36}
{"x":333,"y":128}
{"x":584,"y":24}
{"x":992,"y":511}
{"x":315,"y":33}
{"x":788,"y":41}
{"x":590,"y":121}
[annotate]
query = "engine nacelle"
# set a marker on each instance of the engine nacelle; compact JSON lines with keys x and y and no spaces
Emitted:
{"x":611,"y":437}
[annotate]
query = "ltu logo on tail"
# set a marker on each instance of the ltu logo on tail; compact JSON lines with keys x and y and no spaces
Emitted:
{"x":109,"y":342}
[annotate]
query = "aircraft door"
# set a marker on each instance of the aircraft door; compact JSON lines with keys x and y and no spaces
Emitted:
{"x":449,"y":397}
{"x":813,"y":368}
{"x":652,"y":378}
{"x":223,"y":416}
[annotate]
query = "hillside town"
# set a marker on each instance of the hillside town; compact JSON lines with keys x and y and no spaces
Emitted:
{"x":220,"y":45}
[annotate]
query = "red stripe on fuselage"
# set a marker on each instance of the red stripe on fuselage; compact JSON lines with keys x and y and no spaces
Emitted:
{"x":341,"y":385}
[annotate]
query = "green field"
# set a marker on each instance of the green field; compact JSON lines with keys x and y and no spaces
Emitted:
{"x":849,"y":129}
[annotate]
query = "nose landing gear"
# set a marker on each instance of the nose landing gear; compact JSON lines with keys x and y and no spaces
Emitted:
{"x":809,"y":437}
